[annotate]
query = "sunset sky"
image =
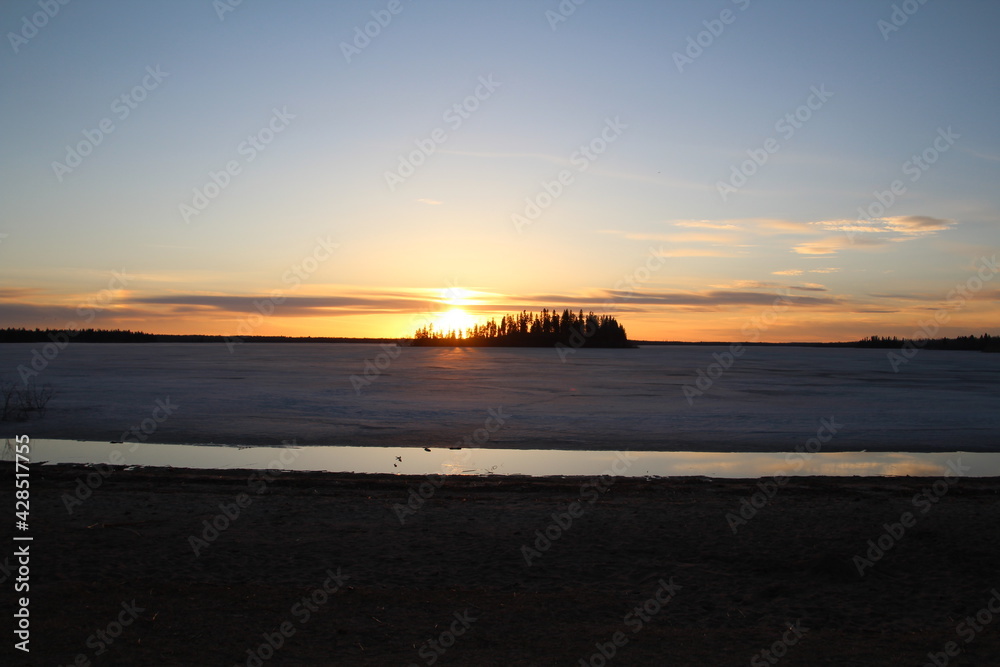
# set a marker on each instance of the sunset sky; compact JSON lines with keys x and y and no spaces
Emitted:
{"x":177,"y":167}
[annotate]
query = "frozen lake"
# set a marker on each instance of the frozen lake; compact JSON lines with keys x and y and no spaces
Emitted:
{"x":769,"y":399}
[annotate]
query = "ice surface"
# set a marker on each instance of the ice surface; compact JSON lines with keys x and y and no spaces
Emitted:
{"x":770,"y":399}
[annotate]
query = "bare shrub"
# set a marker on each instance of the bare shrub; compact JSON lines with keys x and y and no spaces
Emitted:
{"x":20,"y":403}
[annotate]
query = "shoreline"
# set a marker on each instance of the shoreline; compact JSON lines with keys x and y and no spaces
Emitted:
{"x":514,"y":462}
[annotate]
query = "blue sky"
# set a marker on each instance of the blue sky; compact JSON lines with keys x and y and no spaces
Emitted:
{"x":445,"y":238}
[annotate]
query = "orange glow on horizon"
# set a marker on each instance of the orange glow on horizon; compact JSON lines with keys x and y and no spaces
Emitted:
{"x":456,"y":320}
{"x":341,"y":312}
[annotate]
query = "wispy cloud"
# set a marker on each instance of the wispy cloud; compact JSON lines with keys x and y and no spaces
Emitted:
{"x":909,"y":225}
{"x":992,"y":157}
{"x":833,"y":244}
{"x":635,"y":236}
{"x":717,"y":298}
{"x":734,"y":237}
{"x":18,"y":292}
{"x":871,"y":233}
{"x":707,"y":238}
{"x":918,"y":224}
{"x":902,"y":296}
{"x":747,"y":284}
{"x":705,"y":224}
{"x":645,"y":301}
{"x":757,"y":226}
{"x":675,"y":253}
{"x":801,"y":236}
{"x":757,"y":284}
{"x":288,"y":306}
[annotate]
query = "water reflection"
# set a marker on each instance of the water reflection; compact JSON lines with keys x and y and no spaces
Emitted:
{"x":418,"y":461}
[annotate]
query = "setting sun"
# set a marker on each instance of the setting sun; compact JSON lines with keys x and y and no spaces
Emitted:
{"x":456,"y":320}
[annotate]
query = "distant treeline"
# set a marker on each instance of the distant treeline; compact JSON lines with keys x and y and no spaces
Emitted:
{"x":11,"y":335}
{"x":521,"y":330}
{"x":524,"y":329}
{"x":984,"y":343}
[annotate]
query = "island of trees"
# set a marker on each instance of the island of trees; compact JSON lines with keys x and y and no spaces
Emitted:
{"x":524,"y":329}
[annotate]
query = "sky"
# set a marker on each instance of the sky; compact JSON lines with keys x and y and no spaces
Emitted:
{"x":724,"y":170}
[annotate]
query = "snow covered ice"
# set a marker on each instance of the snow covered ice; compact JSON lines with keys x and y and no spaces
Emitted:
{"x":769,"y":399}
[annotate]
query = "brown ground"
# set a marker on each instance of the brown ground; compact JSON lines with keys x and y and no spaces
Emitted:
{"x":461,"y":552}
